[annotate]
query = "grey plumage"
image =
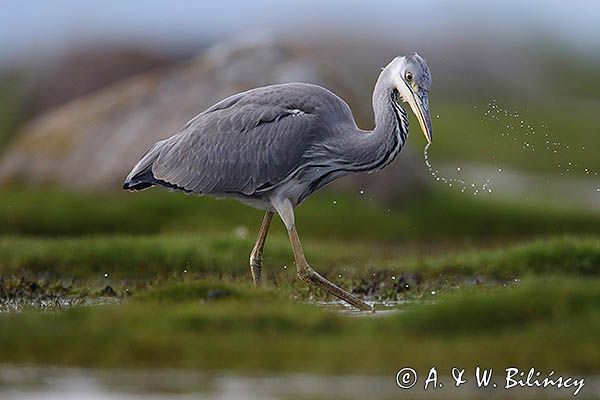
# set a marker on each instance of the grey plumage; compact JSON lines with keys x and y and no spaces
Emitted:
{"x":274,"y":146}
{"x":247,"y":143}
{"x":252,"y":143}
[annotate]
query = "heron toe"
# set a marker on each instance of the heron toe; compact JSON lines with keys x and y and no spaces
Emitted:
{"x":312,"y":277}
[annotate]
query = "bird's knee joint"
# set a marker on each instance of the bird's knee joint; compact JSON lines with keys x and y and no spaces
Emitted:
{"x":256,"y":257}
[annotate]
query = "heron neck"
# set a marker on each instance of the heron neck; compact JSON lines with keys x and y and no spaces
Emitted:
{"x":389,"y":114}
{"x":391,"y":124}
{"x":373,"y":150}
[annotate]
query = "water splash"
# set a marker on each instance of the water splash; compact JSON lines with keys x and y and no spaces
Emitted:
{"x":532,"y":138}
{"x":510,"y":127}
{"x":475,"y":188}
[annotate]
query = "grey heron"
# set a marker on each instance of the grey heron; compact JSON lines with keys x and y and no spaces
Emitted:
{"x":273,"y":146}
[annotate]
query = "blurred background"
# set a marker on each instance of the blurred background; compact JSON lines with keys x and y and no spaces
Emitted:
{"x":86,"y":87}
{"x":512,"y":198}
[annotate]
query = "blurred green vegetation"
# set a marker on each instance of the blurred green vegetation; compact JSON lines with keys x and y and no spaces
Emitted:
{"x":582,"y":74}
{"x":464,"y":135}
{"x":437,"y":215}
{"x":467,"y":272}
{"x":247,"y":329}
{"x":443,"y":237}
{"x":12,"y":101}
{"x":125,"y":257}
{"x":478,"y":280}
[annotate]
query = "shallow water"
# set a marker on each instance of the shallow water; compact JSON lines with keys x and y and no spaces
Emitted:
{"x":566,"y":191}
{"x":382,"y":307}
{"x":54,"y":303}
{"x":50,"y":383}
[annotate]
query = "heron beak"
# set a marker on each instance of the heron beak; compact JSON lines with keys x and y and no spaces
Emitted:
{"x":420,"y":106}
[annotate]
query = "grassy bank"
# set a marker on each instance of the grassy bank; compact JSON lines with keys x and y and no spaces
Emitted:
{"x":436,"y":215}
{"x":128,"y":257}
{"x":244,"y":329}
{"x":475,"y":282}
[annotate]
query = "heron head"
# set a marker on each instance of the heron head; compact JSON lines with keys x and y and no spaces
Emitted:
{"x":412,"y":79}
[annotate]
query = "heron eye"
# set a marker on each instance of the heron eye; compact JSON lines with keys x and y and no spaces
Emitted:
{"x":408,"y":76}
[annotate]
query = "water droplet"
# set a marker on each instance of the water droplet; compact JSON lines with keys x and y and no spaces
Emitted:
{"x":458,"y":169}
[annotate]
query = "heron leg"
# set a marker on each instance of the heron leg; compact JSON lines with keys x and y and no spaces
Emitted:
{"x":256,"y":254}
{"x":304,"y":271}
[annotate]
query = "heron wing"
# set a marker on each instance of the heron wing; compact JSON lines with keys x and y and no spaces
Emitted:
{"x":240,"y":145}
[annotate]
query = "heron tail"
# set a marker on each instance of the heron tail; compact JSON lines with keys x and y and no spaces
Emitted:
{"x":141,"y":176}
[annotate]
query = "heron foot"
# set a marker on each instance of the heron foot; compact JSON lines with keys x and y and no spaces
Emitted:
{"x":256,"y":266}
{"x":310,"y":276}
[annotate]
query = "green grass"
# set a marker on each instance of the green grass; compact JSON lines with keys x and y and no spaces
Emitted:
{"x":435,"y":215}
{"x":487,"y":282}
{"x":12,"y":95}
{"x":490,"y":283}
{"x":249,"y":329}
{"x":162,"y":255}
{"x":441,"y":241}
